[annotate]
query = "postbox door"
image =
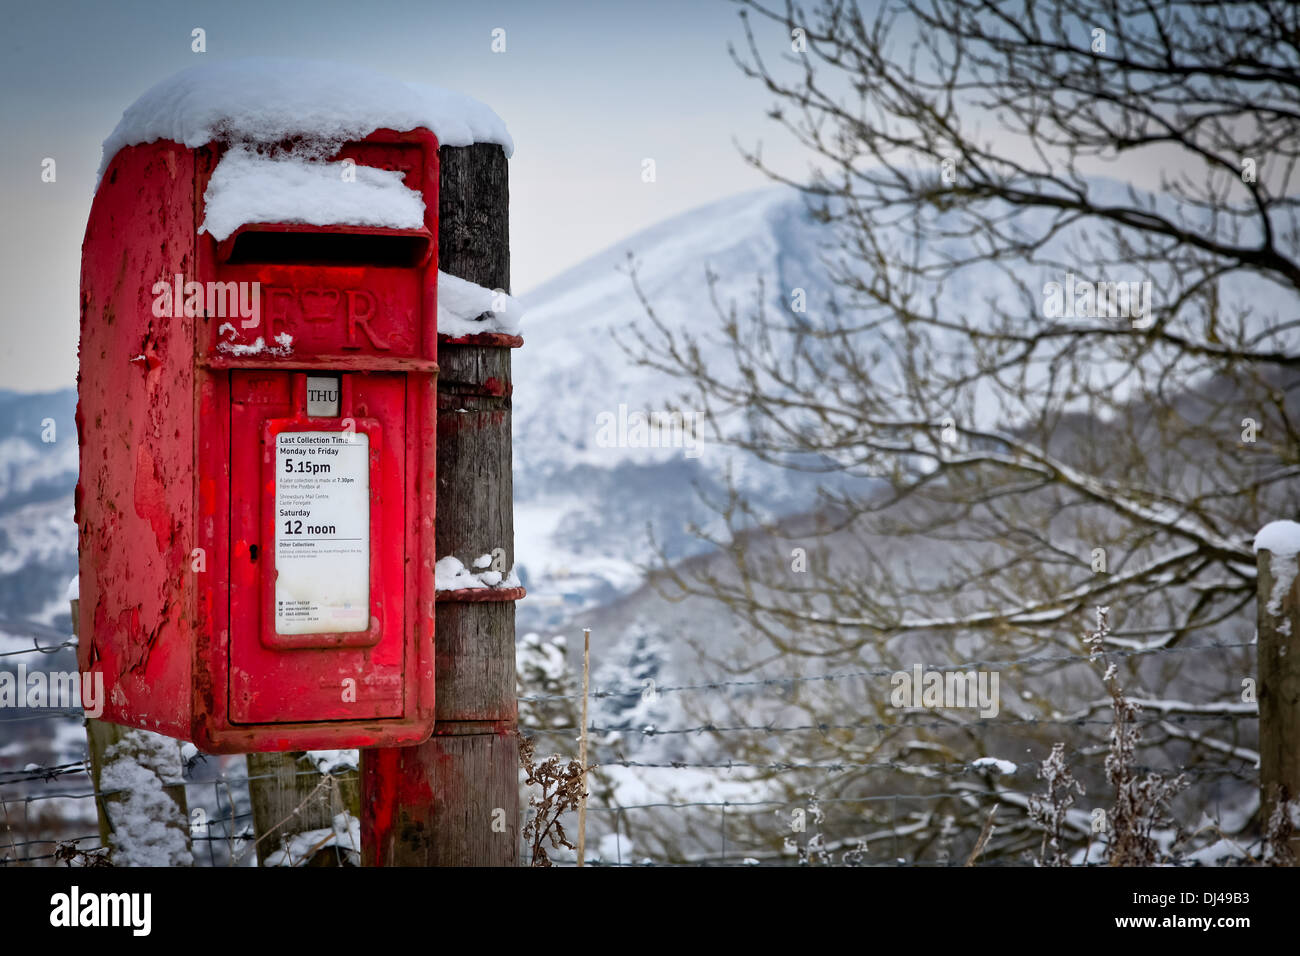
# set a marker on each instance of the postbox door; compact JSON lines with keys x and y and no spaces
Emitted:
{"x":316,"y":542}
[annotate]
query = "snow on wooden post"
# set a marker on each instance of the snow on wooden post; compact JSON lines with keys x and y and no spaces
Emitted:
{"x":1277,"y":551}
{"x":140,"y":794}
{"x":453,"y":801}
{"x":142,"y":808}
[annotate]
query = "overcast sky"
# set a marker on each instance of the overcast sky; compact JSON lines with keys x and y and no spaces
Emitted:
{"x":588,"y":89}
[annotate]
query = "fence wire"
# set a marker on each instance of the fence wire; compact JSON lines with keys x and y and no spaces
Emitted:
{"x":229,"y":825}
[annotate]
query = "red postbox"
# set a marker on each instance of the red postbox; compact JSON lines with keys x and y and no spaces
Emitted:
{"x":256,"y":497}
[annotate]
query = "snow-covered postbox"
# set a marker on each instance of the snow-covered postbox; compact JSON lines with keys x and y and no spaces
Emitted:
{"x":256,"y":415}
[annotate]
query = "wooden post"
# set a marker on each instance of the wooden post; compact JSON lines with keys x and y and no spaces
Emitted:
{"x":288,"y":798}
{"x":109,"y":743}
{"x":453,"y":801}
{"x":100,"y":736}
{"x":1279,"y":685}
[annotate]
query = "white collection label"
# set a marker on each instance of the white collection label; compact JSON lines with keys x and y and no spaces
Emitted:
{"x":322,"y":532}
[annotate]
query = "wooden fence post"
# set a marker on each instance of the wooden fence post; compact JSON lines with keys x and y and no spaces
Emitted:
{"x":288,"y":797}
{"x":125,"y":828}
{"x":453,"y":801}
{"x":1279,"y":676}
{"x":101,"y":735}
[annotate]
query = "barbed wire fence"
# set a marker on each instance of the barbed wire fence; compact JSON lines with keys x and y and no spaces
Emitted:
{"x":980,"y":783}
{"x":226,"y":832}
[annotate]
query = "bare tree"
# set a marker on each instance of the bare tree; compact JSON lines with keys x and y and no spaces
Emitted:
{"x":1062,"y":391}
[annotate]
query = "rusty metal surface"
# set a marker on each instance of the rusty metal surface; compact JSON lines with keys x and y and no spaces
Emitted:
{"x":482,"y":594}
{"x":484,"y":338}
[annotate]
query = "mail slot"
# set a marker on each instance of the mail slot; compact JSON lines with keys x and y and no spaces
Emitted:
{"x":256,"y":420}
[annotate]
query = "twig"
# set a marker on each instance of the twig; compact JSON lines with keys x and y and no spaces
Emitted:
{"x":582,"y":745}
{"x":983,"y":838}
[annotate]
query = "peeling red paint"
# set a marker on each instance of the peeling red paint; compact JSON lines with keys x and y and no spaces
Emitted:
{"x":167,"y":593}
{"x":151,"y":496}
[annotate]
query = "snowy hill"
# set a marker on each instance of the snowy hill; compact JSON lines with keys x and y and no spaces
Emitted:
{"x":38,"y":557}
{"x":582,"y":507}
{"x":38,"y":539}
{"x":571,"y":320}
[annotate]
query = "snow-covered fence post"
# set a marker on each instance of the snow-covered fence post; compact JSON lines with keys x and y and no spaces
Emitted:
{"x":121,"y":826}
{"x":1277,"y":553}
{"x":453,"y":801}
{"x":142,"y":807}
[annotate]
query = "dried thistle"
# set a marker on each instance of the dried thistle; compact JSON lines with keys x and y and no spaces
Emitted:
{"x":1141,"y":803}
{"x":562,"y":791}
{"x":69,"y":854}
{"x":856,"y":855}
{"x":1051,"y":811}
{"x":814,"y":850}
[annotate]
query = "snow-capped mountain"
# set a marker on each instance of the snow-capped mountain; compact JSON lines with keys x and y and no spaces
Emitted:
{"x":587,"y":484}
{"x":38,"y":557}
{"x":38,"y":539}
{"x":583,"y":507}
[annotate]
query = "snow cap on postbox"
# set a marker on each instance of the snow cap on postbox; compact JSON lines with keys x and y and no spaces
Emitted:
{"x":311,"y":253}
{"x":321,"y":105}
